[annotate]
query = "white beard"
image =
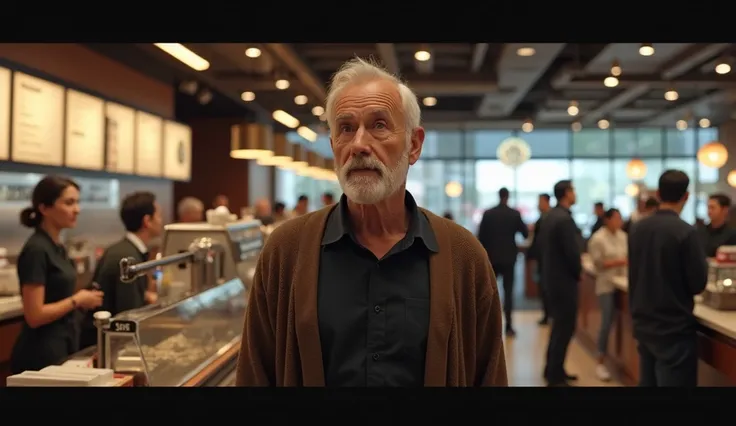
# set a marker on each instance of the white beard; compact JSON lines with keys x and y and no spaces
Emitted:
{"x":373,"y":189}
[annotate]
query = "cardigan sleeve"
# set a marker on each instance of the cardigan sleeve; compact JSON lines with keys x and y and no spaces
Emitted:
{"x":490,"y":369}
{"x":256,"y":363}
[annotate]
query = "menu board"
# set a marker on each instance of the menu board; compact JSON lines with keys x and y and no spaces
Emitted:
{"x":119,"y":138}
{"x":4,"y":113}
{"x":149,"y":131}
{"x":177,"y":151}
{"x":85,"y":131}
{"x":38,"y":121}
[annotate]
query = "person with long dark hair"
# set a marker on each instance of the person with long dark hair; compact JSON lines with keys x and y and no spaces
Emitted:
{"x":47,"y":277}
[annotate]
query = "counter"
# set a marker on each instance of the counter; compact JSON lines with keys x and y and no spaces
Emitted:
{"x":11,"y":316}
{"x":716,"y":334}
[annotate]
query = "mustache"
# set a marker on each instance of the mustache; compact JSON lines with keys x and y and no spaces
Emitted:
{"x":364,"y":163}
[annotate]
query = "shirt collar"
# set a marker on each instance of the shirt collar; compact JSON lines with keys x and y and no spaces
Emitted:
{"x":137,"y":242}
{"x":338,"y":224}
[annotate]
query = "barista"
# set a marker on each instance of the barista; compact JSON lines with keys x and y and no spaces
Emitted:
{"x":717,"y":233}
{"x":47,"y":278}
{"x":141,"y":216}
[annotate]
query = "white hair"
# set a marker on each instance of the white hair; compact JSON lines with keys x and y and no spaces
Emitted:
{"x":359,"y":70}
{"x":188,"y":204}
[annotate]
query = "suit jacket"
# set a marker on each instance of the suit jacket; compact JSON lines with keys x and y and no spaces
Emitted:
{"x":561,"y":249}
{"x":497,"y":233}
{"x":281,"y":341}
{"x":535,"y":249}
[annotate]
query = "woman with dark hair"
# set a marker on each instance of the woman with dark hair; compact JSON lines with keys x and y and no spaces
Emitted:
{"x":608,"y":248}
{"x":47,"y":278}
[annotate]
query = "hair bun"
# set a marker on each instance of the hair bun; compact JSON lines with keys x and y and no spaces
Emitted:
{"x":29,"y":217}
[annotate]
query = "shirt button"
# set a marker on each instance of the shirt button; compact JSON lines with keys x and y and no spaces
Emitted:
{"x":376,"y":356}
{"x":377,"y":309}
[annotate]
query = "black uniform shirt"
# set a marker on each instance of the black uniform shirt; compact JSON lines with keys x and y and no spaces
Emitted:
{"x":374,"y":313}
{"x":42,"y":261}
{"x":715,"y":237}
{"x":667,"y":268}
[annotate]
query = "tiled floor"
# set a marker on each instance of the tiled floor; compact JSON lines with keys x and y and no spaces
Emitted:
{"x":525,"y":355}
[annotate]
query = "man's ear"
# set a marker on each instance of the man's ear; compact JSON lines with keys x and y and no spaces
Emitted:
{"x":417,"y":142}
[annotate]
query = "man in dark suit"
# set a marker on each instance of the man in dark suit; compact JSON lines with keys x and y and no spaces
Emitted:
{"x":497,"y":234}
{"x":535,"y":253}
{"x":560,"y":243}
{"x":141,"y":216}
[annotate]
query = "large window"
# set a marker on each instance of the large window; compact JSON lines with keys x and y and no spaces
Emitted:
{"x":592,"y":182}
{"x":484,"y":143}
{"x":427,"y":180}
{"x":622,"y":199}
{"x":595,"y":160}
{"x":536,"y":177}
{"x":591,"y":143}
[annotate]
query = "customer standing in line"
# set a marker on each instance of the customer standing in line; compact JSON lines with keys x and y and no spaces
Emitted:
{"x":667,"y":268}
{"x":48,"y":278}
{"x":535,"y":253}
{"x":608,"y":248}
{"x":497,"y":234}
{"x":561,"y":249}
{"x":374,"y":290}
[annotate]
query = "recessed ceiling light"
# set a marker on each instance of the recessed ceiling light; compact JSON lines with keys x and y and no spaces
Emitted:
{"x":526,"y":51}
{"x":282,"y":84}
{"x":252,"y":52}
{"x":430,"y":101}
{"x":318,"y":110}
{"x":422,"y":55}
{"x":248,"y":96}
{"x":300,"y":100}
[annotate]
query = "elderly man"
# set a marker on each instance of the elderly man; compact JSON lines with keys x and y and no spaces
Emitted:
{"x":372,"y":291}
{"x":190,"y":210}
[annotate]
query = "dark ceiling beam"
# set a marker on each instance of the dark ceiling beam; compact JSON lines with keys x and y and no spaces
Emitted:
{"x":387,"y":53}
{"x":207,"y":78}
{"x":670,"y":116}
{"x":595,"y":82}
{"x":286,"y":55}
{"x":691,"y":58}
{"x":479,"y":56}
{"x":618,"y":101}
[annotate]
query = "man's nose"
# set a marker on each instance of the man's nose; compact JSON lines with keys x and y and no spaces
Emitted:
{"x":361,"y":142}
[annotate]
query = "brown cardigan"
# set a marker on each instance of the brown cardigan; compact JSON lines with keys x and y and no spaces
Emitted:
{"x":281,"y":343}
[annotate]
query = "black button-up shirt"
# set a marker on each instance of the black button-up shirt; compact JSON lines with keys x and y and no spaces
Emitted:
{"x":374,"y":313}
{"x":713,"y":238}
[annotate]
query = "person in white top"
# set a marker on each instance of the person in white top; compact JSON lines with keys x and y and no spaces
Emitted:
{"x":608,"y":248}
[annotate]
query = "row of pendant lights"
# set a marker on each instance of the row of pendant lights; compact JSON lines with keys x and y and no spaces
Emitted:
{"x":604,"y":124}
{"x":281,"y":116}
{"x":258,"y":142}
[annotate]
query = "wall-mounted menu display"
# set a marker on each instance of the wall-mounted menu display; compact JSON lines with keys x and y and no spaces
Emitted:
{"x":85,"y":131}
{"x":177,"y":151}
{"x":38,"y":121}
{"x":4,"y":113}
{"x":119,"y":138}
{"x":149,"y":131}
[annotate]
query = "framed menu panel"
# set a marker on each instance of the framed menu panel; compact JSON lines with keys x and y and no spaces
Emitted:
{"x":4,"y":113}
{"x":149,"y":132}
{"x":85,"y":131}
{"x":38,"y":121}
{"x":177,"y":151}
{"x":119,"y":138}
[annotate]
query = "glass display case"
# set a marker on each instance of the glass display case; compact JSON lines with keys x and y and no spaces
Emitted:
{"x":173,"y":343}
{"x":720,"y":292}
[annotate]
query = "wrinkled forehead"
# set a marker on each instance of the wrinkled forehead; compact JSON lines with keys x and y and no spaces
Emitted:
{"x":373,"y":97}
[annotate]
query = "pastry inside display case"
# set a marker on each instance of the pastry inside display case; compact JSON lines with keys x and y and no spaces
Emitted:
{"x":172,"y":344}
{"x":720,"y":292}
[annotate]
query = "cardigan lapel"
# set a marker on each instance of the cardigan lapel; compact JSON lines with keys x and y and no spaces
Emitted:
{"x":441,"y":307}
{"x":304,"y":297}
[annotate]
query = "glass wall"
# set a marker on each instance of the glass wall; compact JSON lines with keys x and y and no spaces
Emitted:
{"x":594,"y":159}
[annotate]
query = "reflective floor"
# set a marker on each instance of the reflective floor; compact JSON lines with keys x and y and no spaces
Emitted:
{"x":525,"y":355}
